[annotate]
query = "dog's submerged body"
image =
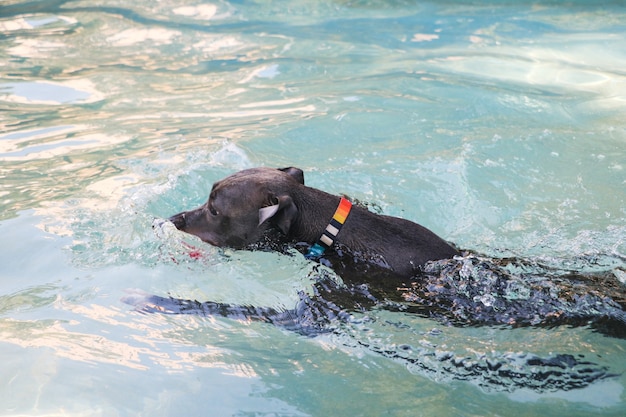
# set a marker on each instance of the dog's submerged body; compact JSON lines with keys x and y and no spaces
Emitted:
{"x":390,"y":263}
{"x":244,"y":206}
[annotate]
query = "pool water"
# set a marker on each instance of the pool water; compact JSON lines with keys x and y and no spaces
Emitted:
{"x":498,"y":125}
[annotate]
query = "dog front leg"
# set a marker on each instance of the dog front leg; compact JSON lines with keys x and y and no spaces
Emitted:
{"x":308,"y":318}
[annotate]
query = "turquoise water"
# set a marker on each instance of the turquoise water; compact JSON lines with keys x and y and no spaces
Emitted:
{"x":498,"y":125}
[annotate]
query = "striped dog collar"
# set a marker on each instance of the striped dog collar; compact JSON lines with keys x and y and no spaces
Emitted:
{"x":332,"y":230}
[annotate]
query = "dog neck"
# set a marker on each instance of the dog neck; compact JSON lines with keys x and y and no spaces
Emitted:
{"x":318,"y":208}
{"x":328,"y":237}
{"x":315,"y":209}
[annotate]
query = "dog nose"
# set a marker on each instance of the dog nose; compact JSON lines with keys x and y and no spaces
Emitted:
{"x":179,"y":220}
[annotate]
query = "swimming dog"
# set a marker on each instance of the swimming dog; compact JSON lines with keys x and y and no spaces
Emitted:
{"x":385,"y":259}
{"x":243,"y":207}
{"x":394,"y":264}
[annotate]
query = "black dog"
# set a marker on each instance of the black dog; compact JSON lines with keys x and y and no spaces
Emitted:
{"x":244,"y":206}
{"x":391,"y":263}
{"x":397,"y":260}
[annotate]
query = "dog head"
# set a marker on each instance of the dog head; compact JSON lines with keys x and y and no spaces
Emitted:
{"x":242,"y":206}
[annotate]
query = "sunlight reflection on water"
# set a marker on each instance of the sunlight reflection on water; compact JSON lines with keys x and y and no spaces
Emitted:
{"x":498,"y":125}
{"x":50,"y":93}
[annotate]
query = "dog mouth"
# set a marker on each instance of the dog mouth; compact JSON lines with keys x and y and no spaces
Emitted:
{"x":187,"y":221}
{"x":208,"y":239}
{"x":179,"y":220}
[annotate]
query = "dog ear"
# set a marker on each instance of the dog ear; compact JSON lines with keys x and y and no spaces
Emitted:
{"x":267,"y":212}
{"x":296,"y":173}
{"x":284,"y":212}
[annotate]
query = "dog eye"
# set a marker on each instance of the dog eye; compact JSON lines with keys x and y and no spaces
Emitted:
{"x":212,"y":209}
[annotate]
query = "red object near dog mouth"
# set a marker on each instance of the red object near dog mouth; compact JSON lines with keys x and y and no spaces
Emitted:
{"x":194,"y":253}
